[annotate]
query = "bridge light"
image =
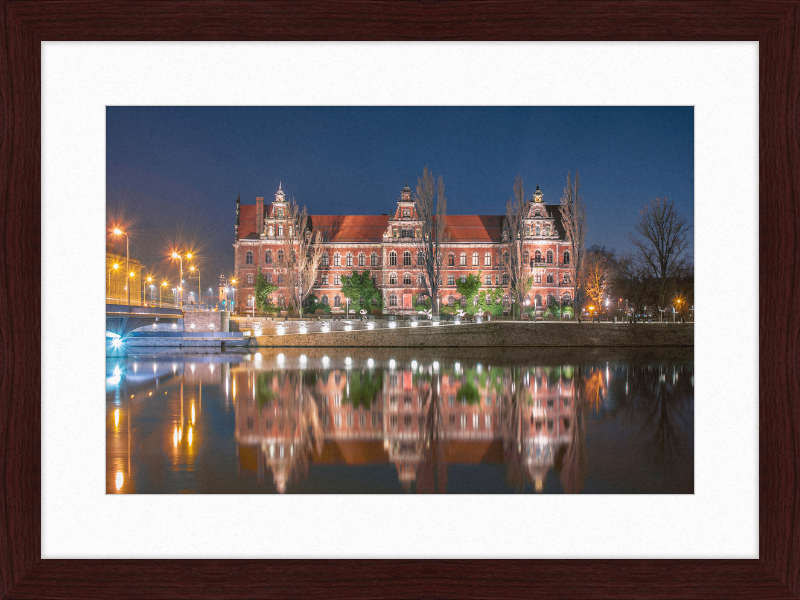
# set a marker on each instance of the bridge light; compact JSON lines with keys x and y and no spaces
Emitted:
{"x":117,"y":231}
{"x":116,"y":266}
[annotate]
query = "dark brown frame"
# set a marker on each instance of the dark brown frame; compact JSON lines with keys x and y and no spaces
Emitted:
{"x":24,"y":24}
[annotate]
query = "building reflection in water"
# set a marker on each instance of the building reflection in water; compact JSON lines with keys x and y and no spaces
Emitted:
{"x":422,"y":416}
{"x":426,"y":417}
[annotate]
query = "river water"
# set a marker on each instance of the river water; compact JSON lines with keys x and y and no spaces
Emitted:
{"x":436,"y":420}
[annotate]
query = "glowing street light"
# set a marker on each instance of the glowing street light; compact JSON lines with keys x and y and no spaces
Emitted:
{"x":180,"y":258}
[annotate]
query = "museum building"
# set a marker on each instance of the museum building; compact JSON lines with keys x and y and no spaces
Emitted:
{"x":386,"y":245}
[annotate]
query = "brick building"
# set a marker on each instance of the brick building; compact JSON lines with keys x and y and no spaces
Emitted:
{"x":386,"y":245}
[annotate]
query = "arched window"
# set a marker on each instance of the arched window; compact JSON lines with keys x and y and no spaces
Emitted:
{"x":407,"y":279}
{"x":393,"y":279}
{"x":268,"y":257}
{"x":271,"y":230}
{"x":550,"y":257}
{"x":420,"y":258}
{"x":407,"y":258}
{"x":281,"y":301}
{"x":325,"y":260}
{"x":547,"y":229}
{"x":324,"y":301}
{"x":280,"y":257}
{"x":248,"y":259}
{"x":393,"y":258}
{"x":406,"y":213}
{"x":420,"y":280}
{"x":392,"y":300}
{"x":537,"y":214}
{"x":505,"y":278}
{"x":373,"y":260}
{"x":336,"y":259}
{"x":451,"y":260}
{"x":280,"y":230}
{"x":506,"y":300}
{"x":537,"y":257}
{"x":463,"y":301}
{"x":337,"y":302}
{"x":549,"y":278}
{"x":280,"y":213}
{"x":566,"y":257}
{"x":537,"y":300}
{"x":566,"y":298}
{"x":361,"y":261}
{"x":474,"y":259}
{"x":349,"y":259}
{"x":280,"y":278}
{"x":566,"y":278}
{"x":538,"y":231}
{"x":250,"y":278}
{"x":250,"y":300}
{"x":451,"y":301}
{"x":487,"y":259}
{"x":463,"y":261}
{"x":528,"y":230}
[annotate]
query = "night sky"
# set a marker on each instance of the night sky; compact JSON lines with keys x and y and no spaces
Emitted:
{"x":173,"y":173}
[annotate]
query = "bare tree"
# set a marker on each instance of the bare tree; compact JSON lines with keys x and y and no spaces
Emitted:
{"x":302,"y":253}
{"x":573,"y":218}
{"x":596,"y":277}
{"x":631,"y":282}
{"x":513,"y":240}
{"x":663,"y":232}
{"x":431,"y":206}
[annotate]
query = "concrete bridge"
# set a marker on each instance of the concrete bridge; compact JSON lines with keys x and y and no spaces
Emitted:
{"x":121,"y":319}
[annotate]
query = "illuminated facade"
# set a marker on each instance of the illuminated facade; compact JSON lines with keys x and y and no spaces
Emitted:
{"x":386,"y":245}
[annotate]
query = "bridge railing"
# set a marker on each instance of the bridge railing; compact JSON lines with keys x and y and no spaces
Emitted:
{"x":145,"y":304}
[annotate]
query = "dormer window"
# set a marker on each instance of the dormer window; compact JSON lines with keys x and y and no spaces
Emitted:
{"x":406,"y":213}
{"x":537,"y":214}
{"x":280,"y":213}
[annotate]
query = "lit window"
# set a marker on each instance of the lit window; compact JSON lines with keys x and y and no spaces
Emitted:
{"x":475,"y":259}
{"x":336,"y":260}
{"x":249,"y":258}
{"x":463,"y":259}
{"x":451,"y":260}
{"x":393,"y":258}
{"x":349,"y":260}
{"x":407,"y":258}
{"x":487,"y":259}
{"x":361,"y":259}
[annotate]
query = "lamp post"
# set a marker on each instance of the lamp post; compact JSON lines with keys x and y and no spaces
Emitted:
{"x":127,"y":263}
{"x":233,"y":302}
{"x":114,"y":267}
{"x":180,"y":258}
{"x":150,"y":284}
{"x":161,"y":287}
{"x":199,"y":289}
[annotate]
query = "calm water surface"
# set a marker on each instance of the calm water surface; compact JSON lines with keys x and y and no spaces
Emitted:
{"x":346,"y":420}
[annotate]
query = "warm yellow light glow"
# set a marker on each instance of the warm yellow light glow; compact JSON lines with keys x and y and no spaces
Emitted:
{"x":191,"y":268}
{"x":120,"y":479}
{"x":163,"y":284}
{"x":149,"y":279}
{"x":180,"y":434}
{"x":174,"y":255}
{"x":192,"y":414}
{"x":175,"y":437}
{"x":116,"y":418}
{"x":189,"y":255}
{"x":150,"y":394}
{"x":132,"y":273}
{"x":117,"y":232}
{"x":131,"y":395}
{"x":233,"y":281}
{"x":190,"y":436}
{"x":234,"y":389}
{"x":116,"y":266}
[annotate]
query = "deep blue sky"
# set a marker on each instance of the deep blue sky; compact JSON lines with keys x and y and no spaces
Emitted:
{"x":173,"y":173}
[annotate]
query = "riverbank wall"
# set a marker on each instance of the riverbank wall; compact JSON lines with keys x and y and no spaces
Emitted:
{"x":497,"y":334}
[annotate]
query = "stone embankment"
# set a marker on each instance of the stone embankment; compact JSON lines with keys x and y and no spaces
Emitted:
{"x":498,"y":334}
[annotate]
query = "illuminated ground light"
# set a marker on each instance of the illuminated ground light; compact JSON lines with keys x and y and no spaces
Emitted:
{"x":258,"y":332}
{"x":116,"y":342}
{"x":414,"y":364}
{"x":348,"y":327}
{"x":370,"y":325}
{"x":303,"y":329}
{"x":120,"y":479}
{"x":303,"y":359}
{"x":325,"y":328}
{"x":414,"y":323}
{"x":281,"y":358}
{"x":435,"y":365}
{"x":280,"y":330}
{"x":348,"y":361}
{"x":392,"y":324}
{"x":435,"y":323}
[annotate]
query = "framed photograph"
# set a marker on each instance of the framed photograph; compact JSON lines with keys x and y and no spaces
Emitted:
{"x":133,"y":145}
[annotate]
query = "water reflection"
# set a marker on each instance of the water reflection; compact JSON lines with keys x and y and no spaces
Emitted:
{"x":318,"y":422}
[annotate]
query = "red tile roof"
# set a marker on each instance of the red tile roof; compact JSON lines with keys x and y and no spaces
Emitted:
{"x":370,"y":228}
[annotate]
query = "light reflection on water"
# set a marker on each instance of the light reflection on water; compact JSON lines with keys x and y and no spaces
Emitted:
{"x":425,"y":421}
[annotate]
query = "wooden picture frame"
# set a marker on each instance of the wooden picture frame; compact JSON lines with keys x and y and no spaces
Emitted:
{"x":24,"y":25}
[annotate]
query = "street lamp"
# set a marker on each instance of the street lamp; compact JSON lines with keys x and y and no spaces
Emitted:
{"x":114,"y":267}
{"x":161,"y":287}
{"x":199,"y":289}
{"x":150,"y":282}
{"x":233,"y":287}
{"x":180,"y":258}
{"x":127,"y":263}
